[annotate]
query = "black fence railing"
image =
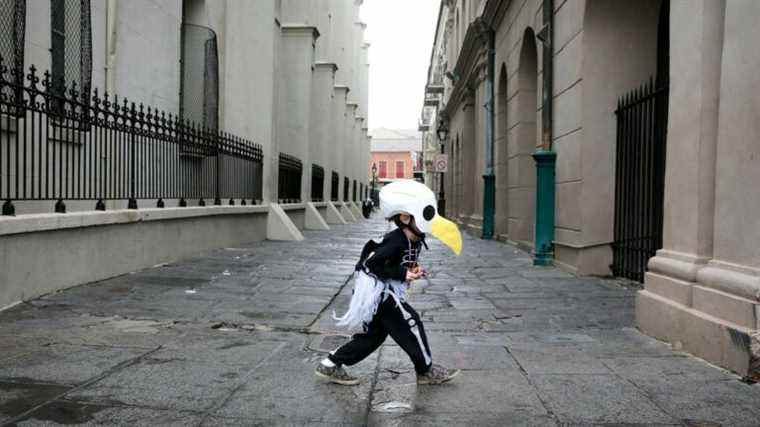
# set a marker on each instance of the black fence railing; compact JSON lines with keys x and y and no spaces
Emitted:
{"x":317,"y":183}
{"x":346,"y":184}
{"x":334,"y":184}
{"x":84,"y":146}
{"x":290,"y":173}
{"x":639,"y":179}
{"x":353,"y":191}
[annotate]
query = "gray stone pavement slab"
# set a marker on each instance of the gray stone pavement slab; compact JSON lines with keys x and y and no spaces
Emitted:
{"x":598,"y":399}
{"x":71,"y":413}
{"x":232,"y":336}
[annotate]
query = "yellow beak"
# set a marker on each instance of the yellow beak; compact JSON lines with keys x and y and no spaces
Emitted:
{"x":447,"y":232}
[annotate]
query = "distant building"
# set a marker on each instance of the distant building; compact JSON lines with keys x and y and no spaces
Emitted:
{"x":397,"y":154}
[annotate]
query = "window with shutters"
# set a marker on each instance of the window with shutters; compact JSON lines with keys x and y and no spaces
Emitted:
{"x":383,"y":170}
{"x":399,"y":169}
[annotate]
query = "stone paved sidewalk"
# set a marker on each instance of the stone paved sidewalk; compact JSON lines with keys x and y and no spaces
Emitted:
{"x":231,"y":337}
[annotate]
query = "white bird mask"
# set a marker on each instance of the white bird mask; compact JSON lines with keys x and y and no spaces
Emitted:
{"x":414,"y":198}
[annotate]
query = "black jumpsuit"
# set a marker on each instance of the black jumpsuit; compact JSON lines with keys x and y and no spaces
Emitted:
{"x":390,"y":261}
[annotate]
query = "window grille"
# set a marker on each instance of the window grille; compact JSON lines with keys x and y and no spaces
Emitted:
{"x":12,"y":26}
{"x":70,"y":50}
{"x":383,"y":170}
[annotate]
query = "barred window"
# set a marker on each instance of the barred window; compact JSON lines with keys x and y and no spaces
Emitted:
{"x":12,"y":22}
{"x":199,"y":84}
{"x":71,"y":45}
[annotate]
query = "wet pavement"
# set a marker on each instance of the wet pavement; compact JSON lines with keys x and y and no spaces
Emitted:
{"x":231,"y":337}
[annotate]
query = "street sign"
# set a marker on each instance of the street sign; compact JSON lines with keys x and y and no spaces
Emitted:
{"x":441,"y":162}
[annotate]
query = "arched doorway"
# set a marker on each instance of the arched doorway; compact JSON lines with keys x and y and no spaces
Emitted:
{"x":501,"y":217}
{"x":521,"y":165}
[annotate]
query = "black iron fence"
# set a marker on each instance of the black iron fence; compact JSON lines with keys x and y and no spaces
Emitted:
{"x":346,"y":184}
{"x":317,"y":183}
{"x":334,"y":184}
{"x":353,"y":191}
{"x":290,"y":172}
{"x":639,"y":179}
{"x":85,"y":146}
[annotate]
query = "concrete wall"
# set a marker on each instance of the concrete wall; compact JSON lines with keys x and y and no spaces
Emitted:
{"x":87,"y":247}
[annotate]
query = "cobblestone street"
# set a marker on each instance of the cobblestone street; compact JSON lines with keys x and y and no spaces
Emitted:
{"x":231,"y":337}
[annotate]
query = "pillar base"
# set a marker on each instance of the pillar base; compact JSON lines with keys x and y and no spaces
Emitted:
{"x":713,"y":339}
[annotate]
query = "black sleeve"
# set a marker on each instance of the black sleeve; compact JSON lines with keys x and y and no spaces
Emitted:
{"x":381,"y":262}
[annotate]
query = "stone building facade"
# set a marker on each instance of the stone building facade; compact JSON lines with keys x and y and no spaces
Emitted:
{"x":678,"y":211}
{"x":152,"y":130}
{"x":291,"y":76}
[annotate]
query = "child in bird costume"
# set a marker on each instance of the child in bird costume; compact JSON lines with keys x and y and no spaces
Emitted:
{"x":384,"y":272}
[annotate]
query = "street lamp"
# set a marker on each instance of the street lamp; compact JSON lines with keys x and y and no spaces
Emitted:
{"x":443,"y":134}
{"x":442,"y":131}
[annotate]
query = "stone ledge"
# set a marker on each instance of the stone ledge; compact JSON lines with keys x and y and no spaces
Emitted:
{"x":51,"y":221}
{"x":669,"y":287}
{"x":732,"y":278}
{"x":676,"y":264}
{"x":738,"y":310}
{"x":293,"y":206}
{"x":717,"y":341}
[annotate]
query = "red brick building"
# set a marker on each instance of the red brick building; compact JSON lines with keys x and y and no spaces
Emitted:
{"x":397,"y":154}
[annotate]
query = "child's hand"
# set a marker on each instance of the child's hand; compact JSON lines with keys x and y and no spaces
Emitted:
{"x":420,"y":271}
{"x":413,"y":274}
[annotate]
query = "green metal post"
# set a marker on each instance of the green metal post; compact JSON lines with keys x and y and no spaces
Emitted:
{"x":545,"y":170}
{"x":489,"y":178}
{"x":546,"y":159}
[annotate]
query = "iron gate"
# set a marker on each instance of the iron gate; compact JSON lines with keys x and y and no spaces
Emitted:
{"x":334,"y":183}
{"x":289,"y":183}
{"x":317,"y":183}
{"x":642,"y":117}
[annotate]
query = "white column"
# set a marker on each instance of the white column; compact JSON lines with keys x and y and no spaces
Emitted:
{"x":294,"y":100}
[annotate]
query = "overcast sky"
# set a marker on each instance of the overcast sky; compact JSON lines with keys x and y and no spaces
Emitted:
{"x":401,"y":35}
